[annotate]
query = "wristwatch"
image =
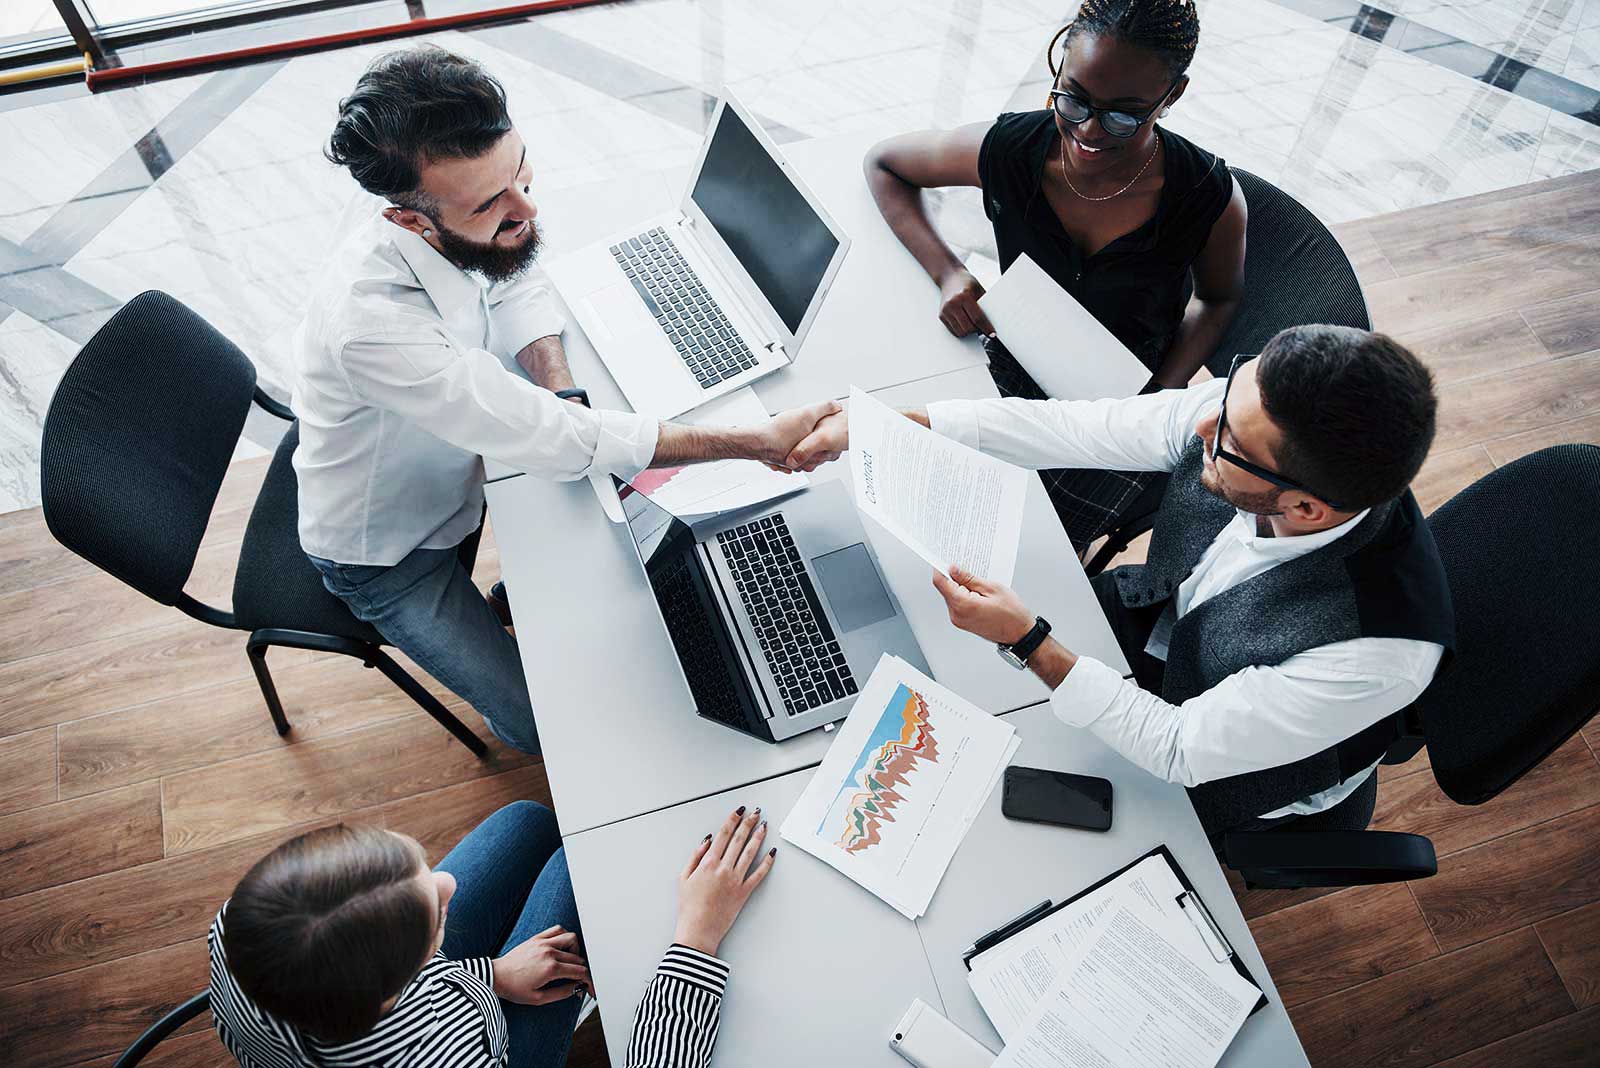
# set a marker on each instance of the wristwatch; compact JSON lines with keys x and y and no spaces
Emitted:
{"x":1017,"y":655}
{"x":577,"y":393}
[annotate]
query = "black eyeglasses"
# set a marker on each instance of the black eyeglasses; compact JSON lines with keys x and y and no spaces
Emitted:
{"x":1219,"y":453}
{"x":1076,"y":111}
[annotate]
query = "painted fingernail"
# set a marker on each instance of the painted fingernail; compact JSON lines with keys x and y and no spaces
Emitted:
{"x":772,"y":852}
{"x":707,"y":838}
{"x":758,"y":810}
{"x":739,"y":811}
{"x":763,"y":825}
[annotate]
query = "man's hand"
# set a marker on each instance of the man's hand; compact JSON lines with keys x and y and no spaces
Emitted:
{"x":788,"y":429}
{"x":543,"y":969}
{"x":718,"y":880}
{"x":984,"y":608}
{"x":958,"y":305}
{"x":826,"y":443}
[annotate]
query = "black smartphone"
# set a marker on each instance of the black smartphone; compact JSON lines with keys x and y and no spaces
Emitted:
{"x":1056,"y":797}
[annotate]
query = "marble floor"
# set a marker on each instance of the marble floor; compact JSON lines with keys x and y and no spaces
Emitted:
{"x":213,"y":188}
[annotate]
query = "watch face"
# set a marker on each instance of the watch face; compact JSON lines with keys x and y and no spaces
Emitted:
{"x":1010,"y":657}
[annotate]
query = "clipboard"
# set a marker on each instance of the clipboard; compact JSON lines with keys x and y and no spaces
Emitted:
{"x":1189,"y":902}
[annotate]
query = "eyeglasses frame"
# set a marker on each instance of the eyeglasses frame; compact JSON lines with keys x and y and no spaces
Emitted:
{"x":1095,"y":113}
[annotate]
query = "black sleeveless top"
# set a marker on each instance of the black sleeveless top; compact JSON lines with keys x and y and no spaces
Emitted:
{"x":1139,"y":284}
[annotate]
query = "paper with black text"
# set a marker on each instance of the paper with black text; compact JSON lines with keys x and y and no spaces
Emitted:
{"x":1131,"y":996}
{"x":1012,"y":977}
{"x":948,"y":503}
{"x":1055,"y":339}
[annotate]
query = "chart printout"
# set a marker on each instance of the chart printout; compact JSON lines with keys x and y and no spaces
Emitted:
{"x":901,"y":784}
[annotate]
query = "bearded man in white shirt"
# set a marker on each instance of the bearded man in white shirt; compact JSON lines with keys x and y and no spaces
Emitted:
{"x":406,"y":376}
{"x":1292,"y":602}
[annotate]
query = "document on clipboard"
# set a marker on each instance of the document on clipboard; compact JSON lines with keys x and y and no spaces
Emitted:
{"x":1133,"y":967}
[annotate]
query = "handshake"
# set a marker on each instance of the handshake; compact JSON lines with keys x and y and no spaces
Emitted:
{"x":803,"y":439}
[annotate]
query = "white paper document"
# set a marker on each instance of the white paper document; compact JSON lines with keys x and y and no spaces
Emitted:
{"x":948,"y":503}
{"x":1010,"y":979}
{"x":902,"y":783}
{"x":1055,"y":339}
{"x":721,"y":485}
{"x":1119,"y":977}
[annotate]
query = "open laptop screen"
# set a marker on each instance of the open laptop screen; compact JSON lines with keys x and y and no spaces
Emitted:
{"x":764,"y":220}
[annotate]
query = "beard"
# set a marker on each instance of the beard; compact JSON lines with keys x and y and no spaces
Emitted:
{"x":1263,"y":504}
{"x":497,"y":263}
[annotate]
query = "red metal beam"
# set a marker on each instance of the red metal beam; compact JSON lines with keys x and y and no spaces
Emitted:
{"x":98,"y":78}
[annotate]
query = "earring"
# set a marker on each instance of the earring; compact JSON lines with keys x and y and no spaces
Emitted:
{"x":429,"y":233}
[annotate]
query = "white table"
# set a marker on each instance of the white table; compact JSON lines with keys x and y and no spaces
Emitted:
{"x":822,"y":970}
{"x":615,"y":717}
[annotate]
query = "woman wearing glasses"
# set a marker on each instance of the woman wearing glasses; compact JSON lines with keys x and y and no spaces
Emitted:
{"x":1132,"y":220}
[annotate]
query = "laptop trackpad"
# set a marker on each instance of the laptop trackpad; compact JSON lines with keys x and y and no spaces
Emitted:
{"x":620,"y":309}
{"x":852,"y":587}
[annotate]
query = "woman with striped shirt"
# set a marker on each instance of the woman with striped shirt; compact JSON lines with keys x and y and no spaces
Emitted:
{"x":341,"y":949}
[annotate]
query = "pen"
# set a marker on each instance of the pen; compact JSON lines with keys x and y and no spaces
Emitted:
{"x":1005,"y":931}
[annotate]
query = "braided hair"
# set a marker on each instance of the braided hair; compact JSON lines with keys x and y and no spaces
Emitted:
{"x":1168,"y":28}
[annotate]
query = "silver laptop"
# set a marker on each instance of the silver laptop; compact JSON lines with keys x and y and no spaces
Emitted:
{"x":777,"y":614}
{"x":705,"y":300}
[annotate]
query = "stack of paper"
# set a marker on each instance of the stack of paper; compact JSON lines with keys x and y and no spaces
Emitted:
{"x":717,"y":486}
{"x":1122,"y":976}
{"x":901,"y":785}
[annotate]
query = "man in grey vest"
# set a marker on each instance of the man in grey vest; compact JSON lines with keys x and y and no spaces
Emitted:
{"x":1293,"y":600}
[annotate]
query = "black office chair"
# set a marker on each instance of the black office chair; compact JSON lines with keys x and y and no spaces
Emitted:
{"x":1294,"y":273}
{"x":163,"y":1027}
{"x":137,"y":440}
{"x":1522,"y":553}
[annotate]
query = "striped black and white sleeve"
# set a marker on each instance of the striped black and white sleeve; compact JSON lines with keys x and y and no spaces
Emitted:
{"x":676,"y":1023}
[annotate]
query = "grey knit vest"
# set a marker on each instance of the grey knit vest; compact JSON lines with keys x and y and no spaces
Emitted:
{"x":1381,"y":579}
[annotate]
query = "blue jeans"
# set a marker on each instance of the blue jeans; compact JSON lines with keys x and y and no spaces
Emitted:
{"x":512,"y":883}
{"x":427,"y":607}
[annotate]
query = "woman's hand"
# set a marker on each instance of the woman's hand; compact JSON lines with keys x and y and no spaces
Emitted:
{"x":719,"y":879}
{"x":958,"y":304}
{"x":543,"y":969}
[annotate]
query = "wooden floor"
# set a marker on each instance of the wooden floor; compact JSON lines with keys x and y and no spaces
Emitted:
{"x":139,"y":774}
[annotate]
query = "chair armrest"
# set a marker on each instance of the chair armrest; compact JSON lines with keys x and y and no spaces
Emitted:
{"x":162,"y":1028}
{"x":1283,"y":859}
{"x":272,"y":407}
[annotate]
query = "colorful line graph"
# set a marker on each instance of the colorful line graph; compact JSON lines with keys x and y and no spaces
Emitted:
{"x":901,"y":744}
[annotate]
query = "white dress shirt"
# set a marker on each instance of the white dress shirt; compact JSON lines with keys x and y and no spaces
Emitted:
{"x":405,"y":382}
{"x":1256,"y":718}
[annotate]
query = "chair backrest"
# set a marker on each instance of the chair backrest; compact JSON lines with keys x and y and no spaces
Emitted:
{"x":1294,"y":273}
{"x":137,"y":439}
{"x":162,"y":1028}
{"x":1522,"y":552}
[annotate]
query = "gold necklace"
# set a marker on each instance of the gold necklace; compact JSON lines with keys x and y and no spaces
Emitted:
{"x":1119,"y":192}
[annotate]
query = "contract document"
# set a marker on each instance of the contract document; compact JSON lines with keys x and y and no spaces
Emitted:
{"x":902,"y":783}
{"x":1014,"y":976}
{"x":1138,"y":983}
{"x":948,"y":503}
{"x":1056,"y":340}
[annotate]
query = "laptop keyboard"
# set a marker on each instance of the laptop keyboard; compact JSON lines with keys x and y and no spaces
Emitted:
{"x":799,"y":645}
{"x":693,"y":322}
{"x":695,"y":638}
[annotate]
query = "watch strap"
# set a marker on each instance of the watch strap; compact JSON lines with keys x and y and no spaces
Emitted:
{"x":1030,"y":642}
{"x":577,"y":393}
